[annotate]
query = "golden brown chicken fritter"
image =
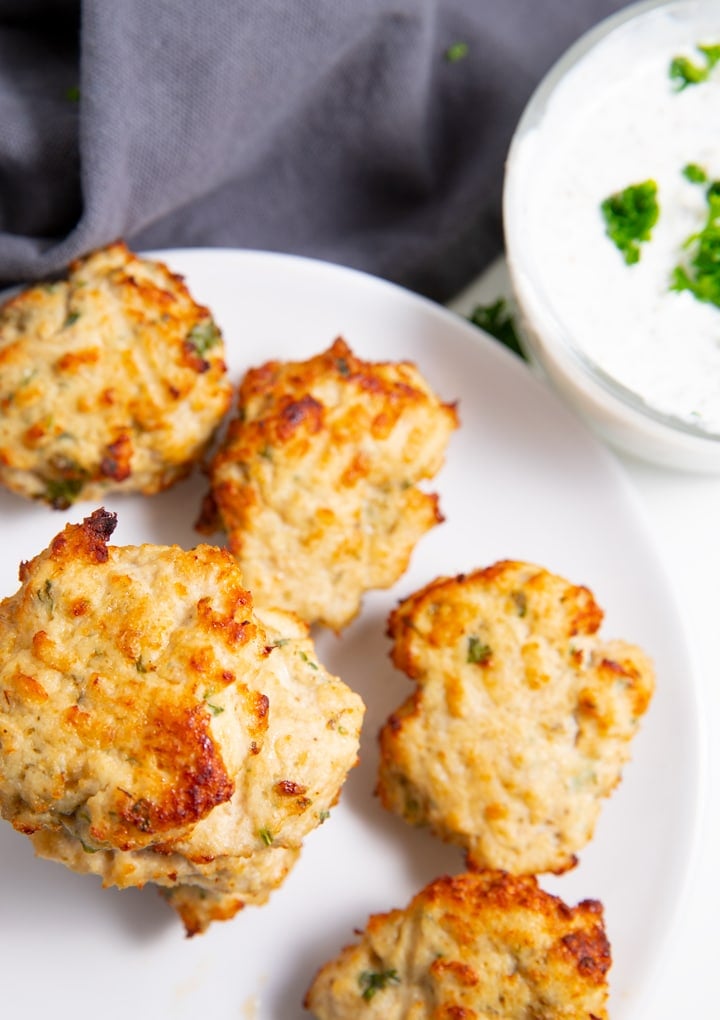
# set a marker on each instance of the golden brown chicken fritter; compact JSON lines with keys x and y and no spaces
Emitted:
{"x":316,"y":483}
{"x":472,"y":947}
{"x":153,"y":728}
{"x":112,"y":379}
{"x":522,"y":718}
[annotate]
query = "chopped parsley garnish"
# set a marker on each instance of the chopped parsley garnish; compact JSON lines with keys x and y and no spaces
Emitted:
{"x":411,"y":806}
{"x":497,"y":320}
{"x":61,"y":493}
{"x":695,"y":173}
{"x":684,"y":71}
{"x":203,"y":336}
{"x":371,"y":982}
{"x":70,"y":319}
{"x":629,"y":217}
{"x":457,"y":51}
{"x":45,"y":595}
{"x":701,"y":274}
{"x":266,"y":836}
{"x":309,"y":661}
{"x":478,"y":651}
{"x":210,"y":693}
{"x":25,"y":380}
{"x":520,"y":600}
{"x":140,"y":665}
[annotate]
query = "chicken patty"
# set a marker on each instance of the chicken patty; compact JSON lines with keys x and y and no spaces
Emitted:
{"x":154,"y":729}
{"x":522,"y":717}
{"x":316,"y":482}
{"x":473,"y":946}
{"x":112,"y":379}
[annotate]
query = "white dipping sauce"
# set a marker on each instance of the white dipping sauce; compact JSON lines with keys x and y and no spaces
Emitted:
{"x":617,"y":119}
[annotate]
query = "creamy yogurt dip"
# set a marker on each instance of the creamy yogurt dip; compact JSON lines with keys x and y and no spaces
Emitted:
{"x":615,"y":119}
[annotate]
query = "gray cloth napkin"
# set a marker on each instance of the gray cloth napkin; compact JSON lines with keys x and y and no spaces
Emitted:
{"x":366,"y":132}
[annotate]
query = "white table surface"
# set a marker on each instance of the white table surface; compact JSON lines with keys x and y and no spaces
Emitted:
{"x":682,"y":511}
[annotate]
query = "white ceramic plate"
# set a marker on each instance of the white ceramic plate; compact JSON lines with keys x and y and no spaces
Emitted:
{"x":523,"y":480}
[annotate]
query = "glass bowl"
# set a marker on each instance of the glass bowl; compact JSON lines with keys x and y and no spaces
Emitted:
{"x":571,"y":102}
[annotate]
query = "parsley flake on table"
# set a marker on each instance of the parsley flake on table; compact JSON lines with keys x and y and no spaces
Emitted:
{"x":457,"y":51}
{"x":497,"y":320}
{"x":629,"y":217}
